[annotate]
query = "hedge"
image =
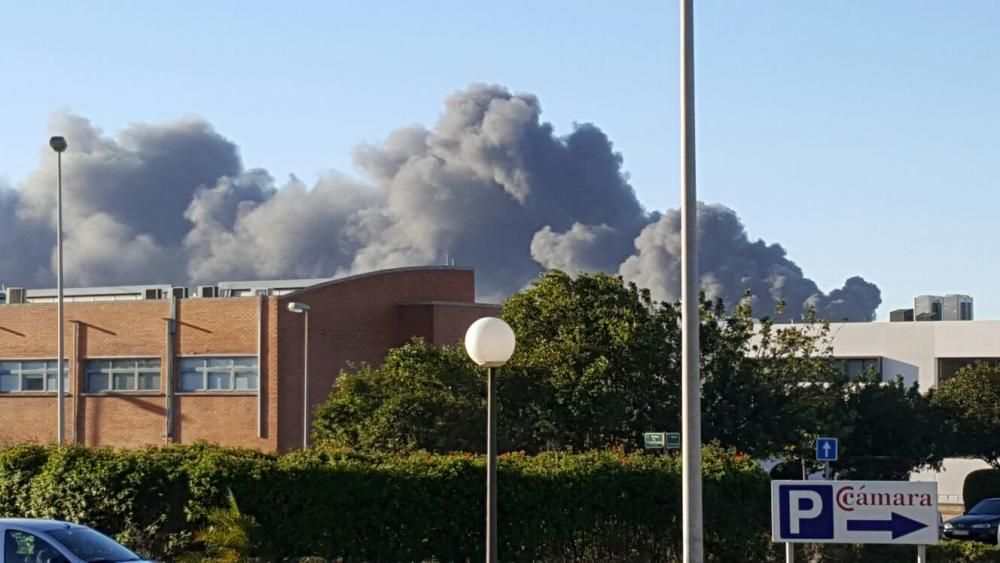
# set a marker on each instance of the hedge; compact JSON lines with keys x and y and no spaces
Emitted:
{"x":980,"y":484}
{"x":602,"y":506}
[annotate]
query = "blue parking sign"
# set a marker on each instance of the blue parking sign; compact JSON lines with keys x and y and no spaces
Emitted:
{"x":806,"y":512}
{"x":826,"y":449}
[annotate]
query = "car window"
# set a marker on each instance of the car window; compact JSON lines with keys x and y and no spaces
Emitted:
{"x":91,"y":545}
{"x":22,"y":547}
{"x":991,"y":506}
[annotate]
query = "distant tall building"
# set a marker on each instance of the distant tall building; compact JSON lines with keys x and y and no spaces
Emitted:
{"x":901,"y":315}
{"x":927,"y":308}
{"x":956,"y":308}
{"x":951,"y":307}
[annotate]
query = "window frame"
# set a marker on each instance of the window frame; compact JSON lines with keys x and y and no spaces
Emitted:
{"x":110,"y":371}
{"x":20,"y":374}
{"x":205,"y":370}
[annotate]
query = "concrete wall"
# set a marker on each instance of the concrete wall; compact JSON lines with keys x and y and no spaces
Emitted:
{"x":912,"y":349}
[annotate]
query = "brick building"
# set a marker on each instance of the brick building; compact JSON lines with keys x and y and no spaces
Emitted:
{"x":152,"y":365}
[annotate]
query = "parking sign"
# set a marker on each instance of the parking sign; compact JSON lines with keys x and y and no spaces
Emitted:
{"x":898,"y":512}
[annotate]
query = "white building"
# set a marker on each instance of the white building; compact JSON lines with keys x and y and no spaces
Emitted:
{"x":923,"y":352}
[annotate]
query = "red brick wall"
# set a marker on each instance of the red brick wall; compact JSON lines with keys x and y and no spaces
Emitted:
{"x":131,"y":329}
{"x":353,"y":319}
{"x":451,"y":321}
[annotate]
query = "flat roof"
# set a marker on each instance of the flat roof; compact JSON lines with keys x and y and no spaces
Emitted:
{"x":285,"y":284}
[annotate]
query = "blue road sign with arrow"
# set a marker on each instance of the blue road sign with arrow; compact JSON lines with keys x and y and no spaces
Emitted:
{"x":894,"y":512}
{"x":826,"y":449}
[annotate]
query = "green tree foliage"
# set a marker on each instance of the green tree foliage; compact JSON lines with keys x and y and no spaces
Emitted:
{"x":598,"y":363}
{"x":226,"y":536}
{"x":422,"y":397}
{"x":980,"y":484}
{"x":972,"y":398}
{"x":888,"y":429}
{"x":766,"y":388}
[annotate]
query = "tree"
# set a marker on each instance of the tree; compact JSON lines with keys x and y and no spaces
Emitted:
{"x":766,"y":388}
{"x":887,"y":429}
{"x":422,"y":397}
{"x":597,"y":363}
{"x":972,"y":399}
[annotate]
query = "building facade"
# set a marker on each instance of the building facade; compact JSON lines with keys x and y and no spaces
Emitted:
{"x":154,"y":365}
{"x":926,"y":353}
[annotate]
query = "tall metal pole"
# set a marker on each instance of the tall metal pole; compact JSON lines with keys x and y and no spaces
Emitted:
{"x":305,"y":383}
{"x":691,"y":380}
{"x":491,"y":468}
{"x":61,"y":431}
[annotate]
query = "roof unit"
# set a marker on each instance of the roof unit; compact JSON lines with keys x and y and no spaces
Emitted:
{"x":15,"y":295}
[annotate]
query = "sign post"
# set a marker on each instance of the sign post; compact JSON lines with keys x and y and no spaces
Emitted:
{"x":826,"y":451}
{"x":673,"y":440}
{"x":654,"y":440}
{"x":883,"y":512}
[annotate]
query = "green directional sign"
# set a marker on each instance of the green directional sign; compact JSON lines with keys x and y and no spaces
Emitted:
{"x":654,"y":440}
{"x":673,"y":440}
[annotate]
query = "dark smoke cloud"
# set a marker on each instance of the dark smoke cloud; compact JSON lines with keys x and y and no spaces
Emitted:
{"x":731,"y":264}
{"x":490,"y":185}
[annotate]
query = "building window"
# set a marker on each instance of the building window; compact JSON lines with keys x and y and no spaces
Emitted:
{"x":218,"y":374}
{"x":118,"y":375}
{"x":948,"y":367}
{"x":31,"y":376}
{"x":854,"y":367}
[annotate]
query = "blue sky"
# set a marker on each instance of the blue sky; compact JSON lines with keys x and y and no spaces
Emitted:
{"x":862,"y":136}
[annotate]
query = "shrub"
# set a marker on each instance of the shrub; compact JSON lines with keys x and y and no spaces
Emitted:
{"x":597,"y":506}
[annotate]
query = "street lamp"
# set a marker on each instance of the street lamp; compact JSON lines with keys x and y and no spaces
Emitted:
{"x":490,"y":343}
{"x":59,"y":145}
{"x":304,"y":309}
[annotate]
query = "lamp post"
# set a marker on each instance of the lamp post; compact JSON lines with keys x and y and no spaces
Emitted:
{"x":59,"y":145}
{"x":490,"y":343}
{"x":691,"y":499}
{"x":304,"y":309}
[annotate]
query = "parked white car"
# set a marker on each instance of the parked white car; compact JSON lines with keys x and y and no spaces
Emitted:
{"x":52,"y":541}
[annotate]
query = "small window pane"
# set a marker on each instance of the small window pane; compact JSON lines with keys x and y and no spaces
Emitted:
{"x":190,"y":364}
{"x":33,"y":382}
{"x":33,"y":366}
{"x":149,"y":381}
{"x":97,"y":382}
{"x":124,"y":382}
{"x":123,"y":365}
{"x":191,"y":381}
{"x":50,"y":381}
{"x":218,"y":381}
{"x":245,"y":362}
{"x":8,"y":382}
{"x":246,"y":381}
{"x":149,"y":364}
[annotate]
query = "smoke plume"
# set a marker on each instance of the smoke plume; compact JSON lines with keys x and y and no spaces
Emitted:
{"x":489,"y":185}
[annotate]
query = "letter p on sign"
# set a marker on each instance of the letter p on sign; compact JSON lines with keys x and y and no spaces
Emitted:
{"x":803,"y":505}
{"x":806,"y":511}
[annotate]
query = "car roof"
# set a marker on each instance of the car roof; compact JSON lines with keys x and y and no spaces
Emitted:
{"x":37,"y":524}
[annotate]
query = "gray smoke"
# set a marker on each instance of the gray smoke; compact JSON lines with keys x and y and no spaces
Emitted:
{"x":490,"y":185}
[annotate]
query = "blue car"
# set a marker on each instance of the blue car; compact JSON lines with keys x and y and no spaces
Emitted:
{"x":51,"y":541}
{"x":981,"y":523}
